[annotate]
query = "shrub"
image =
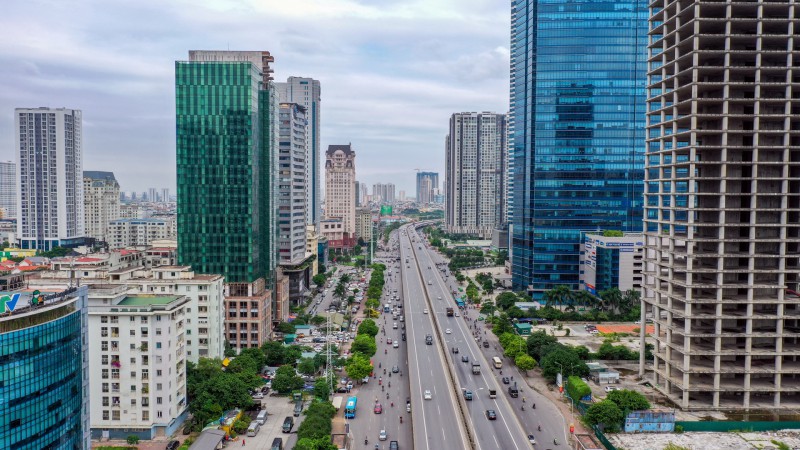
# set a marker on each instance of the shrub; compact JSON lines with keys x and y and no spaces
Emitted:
{"x":132,"y":439}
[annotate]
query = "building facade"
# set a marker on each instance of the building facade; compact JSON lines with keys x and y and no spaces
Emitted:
{"x":611,"y":262}
{"x":101,"y":203}
{"x":427,"y":184}
{"x":44,"y":371}
{"x":8,"y":190}
{"x":137,"y":363}
{"x":49,"y":148}
{"x":383,"y":192}
{"x":364,"y":224}
{"x":292,"y":184}
{"x":722,"y":221}
{"x":308,"y":93}
{"x":474,"y":179}
{"x":139,"y":232}
{"x":340,"y":177}
{"x":578,"y":114}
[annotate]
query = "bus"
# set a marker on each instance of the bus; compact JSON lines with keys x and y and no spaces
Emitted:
{"x":497,"y":363}
{"x":350,"y":408}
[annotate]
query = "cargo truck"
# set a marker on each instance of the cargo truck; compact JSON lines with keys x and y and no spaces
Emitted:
{"x":449,"y":312}
{"x":476,"y":369}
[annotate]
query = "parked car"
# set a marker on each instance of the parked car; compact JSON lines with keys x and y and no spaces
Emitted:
{"x":173,"y":445}
{"x":611,"y":388}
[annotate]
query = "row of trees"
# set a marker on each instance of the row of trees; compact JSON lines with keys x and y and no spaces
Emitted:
{"x":375,"y":290}
{"x":515,"y":347}
{"x":315,"y":431}
{"x":612,"y":301}
{"x":610,"y":413}
{"x":364,"y":347}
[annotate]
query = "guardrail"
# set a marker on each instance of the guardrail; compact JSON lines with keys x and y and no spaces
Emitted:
{"x":453,"y":379}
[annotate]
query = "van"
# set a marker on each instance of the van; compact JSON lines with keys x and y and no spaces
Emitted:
{"x":298,"y":407}
{"x":262,"y":417}
{"x":288,"y":423}
{"x":253,"y":429}
{"x":513,"y":391}
{"x":277,"y":444}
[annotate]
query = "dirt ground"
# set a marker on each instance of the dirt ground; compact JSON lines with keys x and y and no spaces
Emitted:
{"x":707,"y":441}
{"x":623,"y":328}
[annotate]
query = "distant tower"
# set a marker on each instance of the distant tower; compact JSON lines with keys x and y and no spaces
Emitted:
{"x":340,"y":177}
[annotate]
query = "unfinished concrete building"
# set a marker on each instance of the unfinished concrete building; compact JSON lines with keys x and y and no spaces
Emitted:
{"x":722,"y":199}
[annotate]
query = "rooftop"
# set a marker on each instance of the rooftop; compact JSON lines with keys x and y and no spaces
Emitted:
{"x":147,"y":300}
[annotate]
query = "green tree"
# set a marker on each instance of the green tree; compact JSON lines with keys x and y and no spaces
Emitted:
{"x":525,"y":362}
{"x":487,"y":308}
{"x":318,"y":320}
{"x":628,"y":400}
{"x":611,"y":299}
{"x":501,"y":258}
{"x":501,"y":325}
{"x":285,"y":327}
{"x":368,"y":327}
{"x":249,"y":360}
{"x":307,"y":366}
{"x":358,"y":366}
{"x":506,"y":300}
{"x":537,"y":341}
{"x":275,"y":353}
{"x":345,"y":278}
{"x":322,"y":389}
{"x":132,"y":439}
{"x":606,"y":414}
{"x":323,"y":443}
{"x":562,"y":359}
{"x":319,"y":279}
{"x":286,"y":380}
{"x":364,"y":344}
{"x":577,"y":388}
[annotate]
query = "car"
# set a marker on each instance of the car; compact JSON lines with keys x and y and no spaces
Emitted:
{"x":173,"y":445}
{"x":396,"y":344}
{"x":382,"y":435}
{"x":427,"y":395}
{"x":455,"y":350}
{"x":594,"y":332}
{"x":468,"y":395}
{"x":531,"y":439}
{"x":402,"y":319}
{"x":447,"y":331}
{"x":394,"y":325}
{"x":611,"y":388}
{"x":395,"y":369}
{"x":506,"y":380}
{"x":378,"y":408}
{"x":425,"y":311}
{"x":403,"y":337}
{"x":491,"y":415}
{"x":258,"y":396}
{"x":485,"y":344}
{"x":457,"y":315}
{"x":465,"y":358}
{"x":388,"y":340}
{"x":394,"y":446}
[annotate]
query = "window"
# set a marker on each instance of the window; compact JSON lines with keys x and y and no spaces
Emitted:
{"x":159,"y":401}
{"x":105,"y":415}
{"x":115,"y":415}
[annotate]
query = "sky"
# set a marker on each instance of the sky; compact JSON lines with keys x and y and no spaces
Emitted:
{"x":392,"y":72}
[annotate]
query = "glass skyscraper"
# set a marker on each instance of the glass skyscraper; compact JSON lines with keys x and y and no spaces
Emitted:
{"x":226,"y":110}
{"x":578,"y":113}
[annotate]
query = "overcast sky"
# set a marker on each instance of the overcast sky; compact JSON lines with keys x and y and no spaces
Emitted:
{"x":392,"y":72}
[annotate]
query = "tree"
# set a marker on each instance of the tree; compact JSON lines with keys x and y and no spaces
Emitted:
{"x":577,"y":388}
{"x":275,"y":353}
{"x":358,"y":366}
{"x":537,"y":341}
{"x":322,"y":389}
{"x":286,"y":380}
{"x":318,"y":320}
{"x":364,"y":344}
{"x":285,"y":328}
{"x":345,"y":278}
{"x":307,"y":366}
{"x":319,"y":279}
{"x":501,"y":324}
{"x":501,"y":258}
{"x":339,"y":291}
{"x":323,"y":443}
{"x":506,"y":300}
{"x":612,"y":298}
{"x":132,"y":439}
{"x":487,"y":308}
{"x":562,"y":359}
{"x":516,"y":313}
{"x":525,"y":362}
{"x":606,"y":414}
{"x":368,"y":327}
{"x":628,"y":400}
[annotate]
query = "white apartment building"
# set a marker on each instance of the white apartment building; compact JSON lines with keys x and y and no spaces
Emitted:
{"x":364,"y":224}
{"x":291,"y":193}
{"x":312,"y":248}
{"x":137,"y":363}
{"x":8,"y":190}
{"x":49,"y":149}
{"x":474,"y":178}
{"x":340,"y":194}
{"x":101,"y":202}
{"x":383,"y":192}
{"x":307,"y":93}
{"x":140,"y":232}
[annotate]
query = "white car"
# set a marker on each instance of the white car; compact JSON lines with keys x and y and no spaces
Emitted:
{"x":396,"y":344}
{"x":428,"y":395}
{"x":611,"y":388}
{"x":382,"y":436}
{"x":447,"y":331}
{"x":439,"y":297}
{"x":394,"y":325}
{"x":425,"y":311}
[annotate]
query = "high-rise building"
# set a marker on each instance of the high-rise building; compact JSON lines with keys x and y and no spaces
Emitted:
{"x":722,"y":201}
{"x":475,"y":148}
{"x":427,"y":183}
{"x":307,"y":93}
{"x":227,"y":141}
{"x":8,"y":189}
{"x":359,"y":199}
{"x":383,"y":192}
{"x":578,"y":114}
{"x":292,"y":184}
{"x":152,"y":195}
{"x":165,"y":195}
{"x":137,"y":232}
{"x":401,"y":196}
{"x":364,"y":224}
{"x":49,"y":148}
{"x":340,"y":195}
{"x":363,"y":194}
{"x":101,"y":202}
{"x":44,"y":367}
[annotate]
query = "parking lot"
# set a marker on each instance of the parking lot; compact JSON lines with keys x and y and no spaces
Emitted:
{"x":277,"y":408}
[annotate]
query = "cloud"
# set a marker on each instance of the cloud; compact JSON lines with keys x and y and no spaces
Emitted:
{"x":392,"y":72}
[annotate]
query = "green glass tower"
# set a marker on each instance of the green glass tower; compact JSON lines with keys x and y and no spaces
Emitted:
{"x":226,"y":111}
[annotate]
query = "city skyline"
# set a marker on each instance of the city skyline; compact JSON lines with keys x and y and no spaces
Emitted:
{"x":459,"y":61}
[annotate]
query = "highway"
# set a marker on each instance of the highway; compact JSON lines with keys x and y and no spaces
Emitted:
{"x":505,"y":432}
{"x":437,"y":423}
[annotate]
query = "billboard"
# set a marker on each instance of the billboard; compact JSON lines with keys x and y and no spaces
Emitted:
{"x":386,"y":210}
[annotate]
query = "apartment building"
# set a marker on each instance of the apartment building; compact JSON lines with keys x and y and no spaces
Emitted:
{"x":101,"y":202}
{"x":140,"y":232}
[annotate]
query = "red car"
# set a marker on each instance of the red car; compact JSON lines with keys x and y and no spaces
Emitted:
{"x":378,"y":408}
{"x":388,"y":341}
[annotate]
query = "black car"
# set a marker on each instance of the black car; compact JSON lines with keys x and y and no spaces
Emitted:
{"x":464,"y":358}
{"x":506,"y":380}
{"x":395,"y":369}
{"x":403,"y":336}
{"x":491,"y":415}
{"x":172,"y":445}
{"x":455,"y":350}
{"x":485,"y":344}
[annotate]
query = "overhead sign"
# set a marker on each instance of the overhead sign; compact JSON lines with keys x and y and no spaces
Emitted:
{"x":386,"y":210}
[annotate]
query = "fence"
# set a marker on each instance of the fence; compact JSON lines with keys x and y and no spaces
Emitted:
{"x":603,"y":440}
{"x":725,"y":426}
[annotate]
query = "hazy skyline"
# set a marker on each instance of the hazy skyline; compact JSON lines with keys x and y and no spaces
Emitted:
{"x":391,"y":73}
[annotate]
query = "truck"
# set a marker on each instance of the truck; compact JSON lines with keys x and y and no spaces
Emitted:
{"x":513,"y":391}
{"x":337,"y":402}
{"x":449,"y":312}
{"x":476,"y":369}
{"x":492,"y":393}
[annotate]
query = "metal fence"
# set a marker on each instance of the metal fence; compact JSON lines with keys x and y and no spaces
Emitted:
{"x":725,"y":426}
{"x":602,"y":438}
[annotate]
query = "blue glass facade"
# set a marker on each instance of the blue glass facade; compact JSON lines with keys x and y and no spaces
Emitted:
{"x":43,"y":397}
{"x":578,"y":101}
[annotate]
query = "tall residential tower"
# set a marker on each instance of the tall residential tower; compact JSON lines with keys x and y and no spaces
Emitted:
{"x":340,"y":193}
{"x":101,"y":203}
{"x":427,"y":184}
{"x":578,"y":116}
